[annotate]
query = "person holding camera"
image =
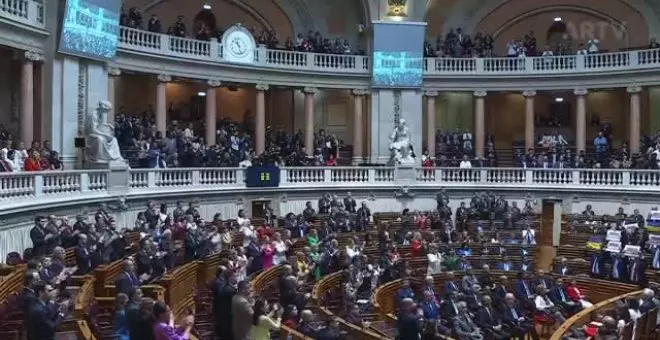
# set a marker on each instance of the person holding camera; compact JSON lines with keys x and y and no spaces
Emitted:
{"x":265,"y":319}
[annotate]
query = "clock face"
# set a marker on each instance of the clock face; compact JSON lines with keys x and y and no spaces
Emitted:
{"x":239,"y":47}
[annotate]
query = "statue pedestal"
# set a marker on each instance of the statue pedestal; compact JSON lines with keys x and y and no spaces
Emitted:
{"x":405,"y":174}
{"x":118,"y":176}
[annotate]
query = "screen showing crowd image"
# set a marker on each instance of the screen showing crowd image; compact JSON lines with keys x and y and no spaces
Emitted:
{"x":90,"y":29}
{"x":398,"y":60}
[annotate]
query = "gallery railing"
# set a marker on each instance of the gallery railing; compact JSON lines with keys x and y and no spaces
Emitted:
{"x":28,"y":12}
{"x":25,"y":187}
{"x":140,"y":41}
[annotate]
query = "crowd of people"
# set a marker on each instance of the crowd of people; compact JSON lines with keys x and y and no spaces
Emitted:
{"x":14,"y":157}
{"x":182,"y":145}
{"x":310,"y":42}
{"x":307,"y":247}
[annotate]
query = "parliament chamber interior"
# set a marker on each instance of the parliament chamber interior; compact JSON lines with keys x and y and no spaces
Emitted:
{"x":332,"y":170}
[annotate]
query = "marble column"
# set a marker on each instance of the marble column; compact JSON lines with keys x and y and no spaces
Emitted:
{"x":358,"y":133}
{"x":260,"y":120}
{"x":27,"y":96}
{"x":113,"y":77}
{"x":479,"y":122}
{"x":161,"y":103}
{"x":634,"y":138}
{"x":430,"y":122}
{"x":211,"y":111}
{"x":309,"y":119}
{"x":529,"y":119}
{"x":581,"y":119}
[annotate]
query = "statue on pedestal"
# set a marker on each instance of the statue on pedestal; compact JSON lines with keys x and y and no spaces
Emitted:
{"x":101,"y":144}
{"x":401,"y":147}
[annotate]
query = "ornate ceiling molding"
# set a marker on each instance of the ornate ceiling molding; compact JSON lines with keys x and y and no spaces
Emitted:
{"x":468,"y":13}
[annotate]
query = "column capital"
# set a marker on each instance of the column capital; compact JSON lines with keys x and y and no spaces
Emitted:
{"x":431,"y":93}
{"x":580,"y":92}
{"x":529,"y":93}
{"x":164,"y":78}
{"x":359,"y":92}
{"x":310,"y":90}
{"x":262,"y":87}
{"x":634,"y":89}
{"x":213,"y":83}
{"x":480,"y":94}
{"x":114,"y":71}
{"x":33,"y":56}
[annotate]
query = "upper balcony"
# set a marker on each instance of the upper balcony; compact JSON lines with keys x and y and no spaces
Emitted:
{"x":192,"y":58}
{"x":23,"y":24}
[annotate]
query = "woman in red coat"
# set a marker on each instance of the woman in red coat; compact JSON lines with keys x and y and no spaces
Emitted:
{"x":576,"y":295}
{"x":416,"y":247}
{"x":33,"y":163}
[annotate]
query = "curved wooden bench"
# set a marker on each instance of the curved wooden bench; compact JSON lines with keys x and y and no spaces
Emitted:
{"x":264,"y":283}
{"x":322,"y":287}
{"x":179,"y":287}
{"x":584,"y":316}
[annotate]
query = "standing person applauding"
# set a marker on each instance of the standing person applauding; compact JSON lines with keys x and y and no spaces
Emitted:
{"x":265,"y":319}
{"x":164,"y":326}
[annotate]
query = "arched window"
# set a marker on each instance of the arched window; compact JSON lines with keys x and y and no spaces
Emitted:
{"x":205,"y":24}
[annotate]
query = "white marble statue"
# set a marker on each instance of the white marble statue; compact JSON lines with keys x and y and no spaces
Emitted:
{"x":101,"y":145}
{"x":401,"y":146}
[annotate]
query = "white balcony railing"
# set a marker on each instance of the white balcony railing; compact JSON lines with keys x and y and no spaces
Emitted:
{"x":28,"y":12}
{"x":18,"y":189}
{"x":140,"y":41}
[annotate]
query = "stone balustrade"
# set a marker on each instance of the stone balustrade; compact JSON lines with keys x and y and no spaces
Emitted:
{"x":19,"y":190}
{"x":162,"y":45}
{"x":27,"y":12}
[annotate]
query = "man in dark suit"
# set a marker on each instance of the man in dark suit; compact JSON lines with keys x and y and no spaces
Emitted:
{"x":524,"y":291}
{"x":647,"y":301}
{"x":518,"y":324}
{"x":405,"y":292}
{"x":464,"y":327}
{"x":144,"y":259}
{"x":450,"y":306}
{"x":562,"y":267}
{"x":559,"y":297}
{"x":43,"y":320}
{"x":83,"y":256}
{"x":430,"y":306}
{"x":349,"y":203}
{"x":619,"y":268}
{"x":450,"y":284}
{"x":637,"y":270}
{"x":542,"y":280}
{"x":500,"y":290}
{"x":127,"y":281}
{"x":223,"y":293}
{"x":28,"y":296}
{"x":39,"y":236}
{"x":486,"y":278}
{"x":598,"y":265}
{"x":305,"y":326}
{"x":408,"y":324}
{"x":490,"y":322}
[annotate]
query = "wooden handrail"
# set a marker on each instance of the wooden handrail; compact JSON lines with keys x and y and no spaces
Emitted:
{"x":586,"y":313}
{"x":259,"y":284}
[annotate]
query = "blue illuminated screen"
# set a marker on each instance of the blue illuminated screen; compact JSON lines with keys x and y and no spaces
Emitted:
{"x":91,"y":28}
{"x":398,"y":58}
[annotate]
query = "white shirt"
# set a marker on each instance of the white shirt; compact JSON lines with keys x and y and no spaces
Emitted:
{"x":247,"y":232}
{"x":526,"y":234}
{"x":435,"y":264}
{"x":352,"y":252}
{"x":542,"y":304}
{"x":465,"y":165}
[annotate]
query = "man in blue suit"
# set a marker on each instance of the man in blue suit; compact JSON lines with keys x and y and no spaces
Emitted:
{"x":637,"y":271}
{"x":524,"y":292}
{"x":519,"y":325}
{"x":451,"y":285}
{"x":559,"y":297}
{"x":542,"y":280}
{"x":405,"y":292}
{"x":619,"y":268}
{"x":430,"y":307}
{"x":597,"y":265}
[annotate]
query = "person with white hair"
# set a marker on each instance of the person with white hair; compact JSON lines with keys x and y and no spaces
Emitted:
{"x":646,"y":303}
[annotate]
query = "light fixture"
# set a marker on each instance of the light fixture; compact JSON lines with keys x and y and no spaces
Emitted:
{"x":559,"y":100}
{"x":201,"y":94}
{"x":206,"y":6}
{"x":557,"y":19}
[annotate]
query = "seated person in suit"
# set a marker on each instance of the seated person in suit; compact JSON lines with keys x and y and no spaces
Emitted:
{"x":647,"y":301}
{"x":486,"y":278}
{"x":545,"y":307}
{"x":84,"y":253}
{"x":464,"y":327}
{"x":542,"y":280}
{"x":560,"y":298}
{"x":305,"y":326}
{"x":430,"y":306}
{"x":527,"y":265}
{"x":429,"y":287}
{"x":505,"y":264}
{"x":450,"y":305}
{"x":512,"y":315}
{"x":524,"y":291}
{"x":489,"y":320}
{"x":469,"y":280}
{"x":562,"y":267}
{"x":500,"y":290}
{"x":331,"y":331}
{"x":450,"y":284}
{"x":405,"y":292}
{"x":528,"y":236}
{"x":473,"y":298}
